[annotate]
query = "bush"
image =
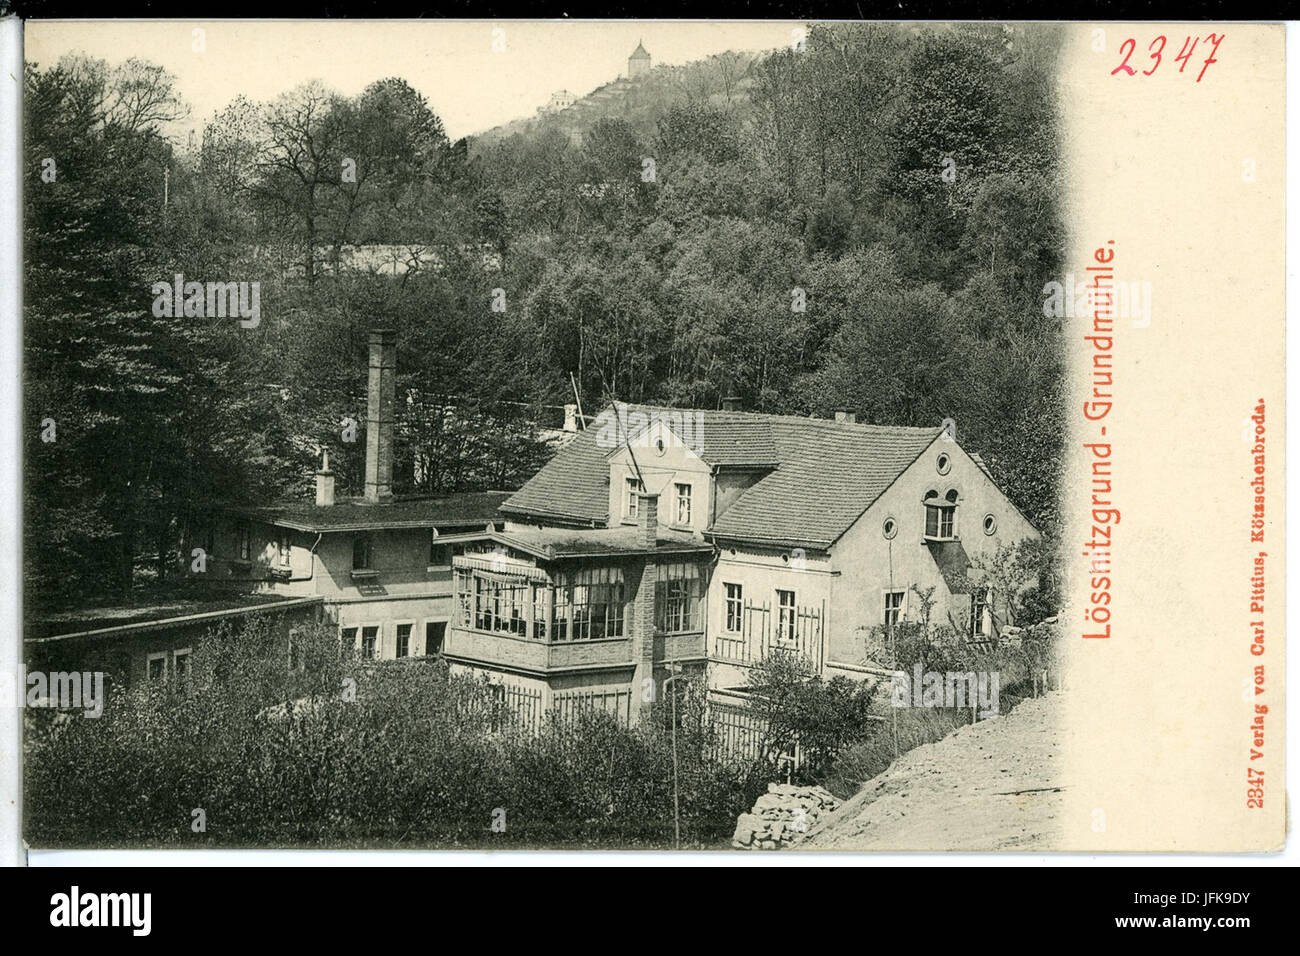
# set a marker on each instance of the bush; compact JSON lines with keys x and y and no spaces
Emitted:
{"x":337,"y":753}
{"x":792,"y":704}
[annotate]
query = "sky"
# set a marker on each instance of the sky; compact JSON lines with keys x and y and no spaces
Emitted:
{"x":468,"y":83}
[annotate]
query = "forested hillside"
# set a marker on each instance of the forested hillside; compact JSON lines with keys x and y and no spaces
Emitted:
{"x":867,"y":222}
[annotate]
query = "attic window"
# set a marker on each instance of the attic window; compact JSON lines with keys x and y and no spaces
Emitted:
{"x":634,"y":488}
{"x":659,"y":445}
{"x":361,"y":552}
{"x":940,"y":516}
{"x":990,"y":523}
{"x":890,"y":528}
{"x":943,"y":464}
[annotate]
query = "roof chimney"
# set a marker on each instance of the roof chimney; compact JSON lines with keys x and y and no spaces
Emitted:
{"x":570,"y":417}
{"x":648,"y":518}
{"x":325,"y":483}
{"x":731,"y":403}
{"x":380,"y":391}
{"x":844,"y":415}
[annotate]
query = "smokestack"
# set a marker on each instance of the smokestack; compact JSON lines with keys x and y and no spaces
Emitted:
{"x":844,"y":415}
{"x":325,"y":483}
{"x":380,"y":391}
{"x":648,"y":518}
{"x":731,"y":403}
{"x":571,"y":418}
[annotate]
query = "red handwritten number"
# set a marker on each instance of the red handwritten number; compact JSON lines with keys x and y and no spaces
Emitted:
{"x":1132,"y":45}
{"x":1216,"y":39}
{"x":1156,"y":55}
{"x":1186,"y":55}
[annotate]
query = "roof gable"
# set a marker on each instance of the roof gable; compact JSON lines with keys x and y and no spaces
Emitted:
{"x":821,"y":475}
{"x":830,"y":473}
{"x":572,"y":486}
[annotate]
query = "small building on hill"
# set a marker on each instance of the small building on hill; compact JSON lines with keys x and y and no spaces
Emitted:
{"x":638,"y":62}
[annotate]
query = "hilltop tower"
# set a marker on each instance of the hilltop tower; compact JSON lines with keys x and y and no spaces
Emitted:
{"x":638,"y":62}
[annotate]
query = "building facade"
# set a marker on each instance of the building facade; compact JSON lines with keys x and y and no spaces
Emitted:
{"x":377,"y":561}
{"x":662,"y":541}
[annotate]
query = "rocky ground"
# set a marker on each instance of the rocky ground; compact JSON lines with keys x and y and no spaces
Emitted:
{"x":995,"y":785}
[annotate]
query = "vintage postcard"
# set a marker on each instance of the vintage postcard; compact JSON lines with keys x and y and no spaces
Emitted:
{"x":754,"y":437}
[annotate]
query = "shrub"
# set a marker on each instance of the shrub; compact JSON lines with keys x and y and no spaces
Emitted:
{"x":341,"y":753}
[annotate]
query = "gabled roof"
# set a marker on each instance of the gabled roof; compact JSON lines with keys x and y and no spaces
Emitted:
{"x":640,"y":52}
{"x":717,"y":437}
{"x":829,"y":474}
{"x":820,"y":475}
{"x":572,"y":486}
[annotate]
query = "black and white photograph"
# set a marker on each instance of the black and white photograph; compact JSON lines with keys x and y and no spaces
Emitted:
{"x":624,"y":435}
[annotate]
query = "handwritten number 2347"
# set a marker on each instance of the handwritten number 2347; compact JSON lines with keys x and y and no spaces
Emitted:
{"x":1156,"y":49}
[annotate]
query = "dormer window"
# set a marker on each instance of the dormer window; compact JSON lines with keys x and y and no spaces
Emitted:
{"x":683,"y":505}
{"x":634,"y":488}
{"x":940,"y":515}
{"x":361,"y":552}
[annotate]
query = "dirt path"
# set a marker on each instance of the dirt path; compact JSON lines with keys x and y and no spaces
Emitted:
{"x":991,"y":786}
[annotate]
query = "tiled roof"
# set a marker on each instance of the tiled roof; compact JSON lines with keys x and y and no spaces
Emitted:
{"x":574,"y":485}
{"x":470,"y":509}
{"x":829,"y":474}
{"x":821,"y":475}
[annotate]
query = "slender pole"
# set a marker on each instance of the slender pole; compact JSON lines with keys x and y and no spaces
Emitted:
{"x":577,"y":398}
{"x":677,"y":806}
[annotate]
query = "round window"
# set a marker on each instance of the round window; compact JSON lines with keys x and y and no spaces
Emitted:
{"x":990,"y":523}
{"x":943,"y":464}
{"x":659,"y":445}
{"x":890,"y":528}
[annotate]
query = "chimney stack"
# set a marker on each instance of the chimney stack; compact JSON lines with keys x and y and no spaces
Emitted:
{"x":844,"y":415}
{"x":325,"y":483}
{"x":380,"y":391}
{"x":570,"y":417}
{"x":731,"y":403}
{"x":648,"y":518}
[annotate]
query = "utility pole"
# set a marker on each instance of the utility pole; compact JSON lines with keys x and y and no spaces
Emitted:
{"x":677,"y":807}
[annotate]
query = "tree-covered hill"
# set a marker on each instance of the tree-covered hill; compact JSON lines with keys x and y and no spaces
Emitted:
{"x":865,"y":222}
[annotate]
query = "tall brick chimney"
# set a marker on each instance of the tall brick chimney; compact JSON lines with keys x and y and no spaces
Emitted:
{"x":380,"y":391}
{"x":647,"y":505}
{"x":643,"y":609}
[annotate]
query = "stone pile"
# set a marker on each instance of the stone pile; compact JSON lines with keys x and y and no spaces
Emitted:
{"x":781,"y":816}
{"x":1044,"y":630}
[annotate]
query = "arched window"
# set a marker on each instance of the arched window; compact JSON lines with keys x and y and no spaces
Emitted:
{"x":941,"y":516}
